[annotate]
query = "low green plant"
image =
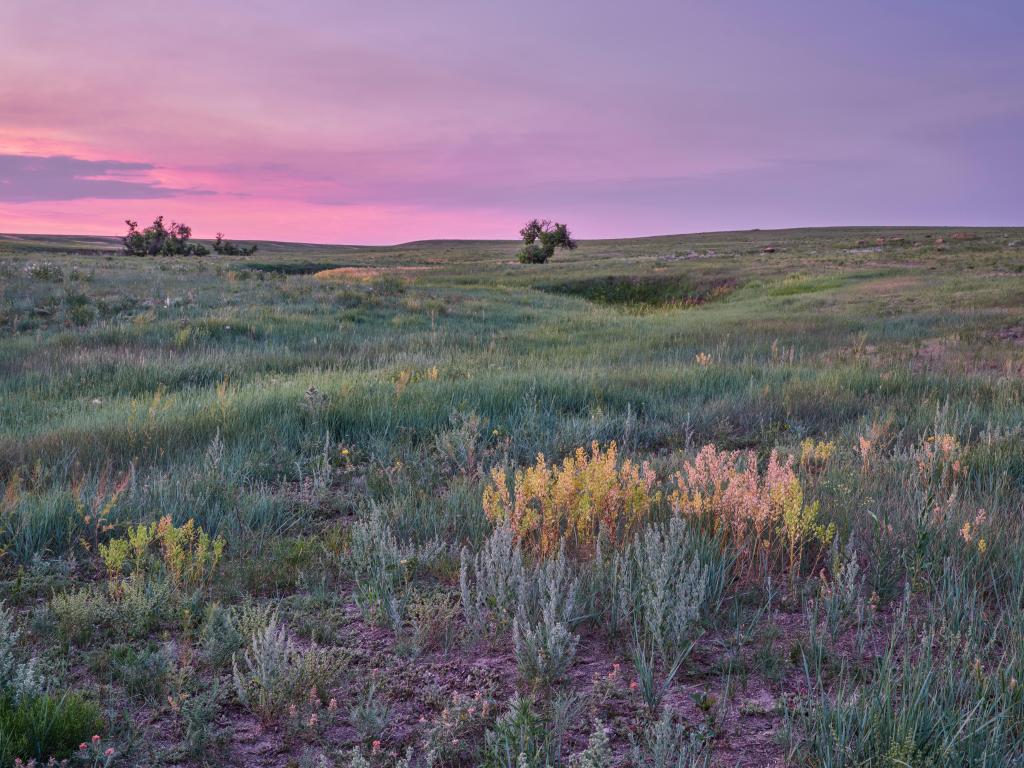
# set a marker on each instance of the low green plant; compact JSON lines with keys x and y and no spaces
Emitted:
{"x":142,"y":672}
{"x":519,"y":738}
{"x":203,"y":740}
{"x":369,"y":715}
{"x":37,"y":727}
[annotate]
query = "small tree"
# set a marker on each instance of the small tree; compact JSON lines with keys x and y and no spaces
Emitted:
{"x":227,"y":248}
{"x":540,"y":238}
{"x":158,"y":240}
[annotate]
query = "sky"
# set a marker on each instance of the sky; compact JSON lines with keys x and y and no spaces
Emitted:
{"x":381,"y":122}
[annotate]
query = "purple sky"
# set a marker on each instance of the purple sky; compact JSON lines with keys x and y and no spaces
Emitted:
{"x":378,"y":122}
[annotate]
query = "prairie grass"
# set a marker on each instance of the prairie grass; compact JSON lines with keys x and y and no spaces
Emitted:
{"x":666,"y":501}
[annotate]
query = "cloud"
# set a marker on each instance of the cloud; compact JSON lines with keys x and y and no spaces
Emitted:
{"x":31,"y":178}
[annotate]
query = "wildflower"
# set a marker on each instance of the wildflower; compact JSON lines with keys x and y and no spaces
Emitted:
{"x":96,"y":739}
{"x":633,"y":685}
{"x":332,"y":704}
{"x":376,"y":745}
{"x":982,"y":545}
{"x":83,"y":746}
{"x":109,"y":752}
{"x":965,"y":532}
{"x":313,"y":720}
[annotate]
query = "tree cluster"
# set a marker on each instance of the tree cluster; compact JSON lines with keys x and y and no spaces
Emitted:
{"x":159,"y":240}
{"x":540,"y":238}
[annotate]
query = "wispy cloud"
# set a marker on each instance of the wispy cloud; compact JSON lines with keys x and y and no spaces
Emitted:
{"x":31,"y":178}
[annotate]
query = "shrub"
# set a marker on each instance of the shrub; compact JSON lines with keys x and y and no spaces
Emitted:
{"x":585,"y":496}
{"x":597,"y":754}
{"x":142,"y":672}
{"x":188,"y":554}
{"x":228,"y":248}
{"x":220,"y":637}
{"x":544,"y":646}
{"x":19,"y":678}
{"x":383,"y":567}
{"x":45,"y":270}
{"x":80,"y":613}
{"x":659,"y":588}
{"x":761,"y":515}
{"x":493,"y":593}
{"x":274,"y":671}
{"x":369,"y":715}
{"x":203,"y":740}
{"x":433,"y":621}
{"x":667,"y":745}
{"x":42,"y":726}
{"x":519,"y":738}
{"x":667,"y":585}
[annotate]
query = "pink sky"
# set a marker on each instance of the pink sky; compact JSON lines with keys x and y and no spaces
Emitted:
{"x":390,"y":121}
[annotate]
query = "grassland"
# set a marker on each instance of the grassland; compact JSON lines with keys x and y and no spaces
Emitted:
{"x":354,"y":586}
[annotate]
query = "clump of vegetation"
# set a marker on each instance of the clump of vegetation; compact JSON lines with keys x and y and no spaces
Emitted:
{"x":575,"y":502}
{"x":228,"y":248}
{"x":762,"y":514}
{"x":540,"y":238}
{"x":159,"y":240}
{"x":274,"y":672}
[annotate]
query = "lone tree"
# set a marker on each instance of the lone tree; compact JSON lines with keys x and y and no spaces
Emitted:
{"x":540,"y":238}
{"x":158,"y":240}
{"x":227,"y":248}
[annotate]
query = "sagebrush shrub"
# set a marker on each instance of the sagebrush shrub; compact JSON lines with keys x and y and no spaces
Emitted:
{"x":598,"y":753}
{"x":19,"y":678}
{"x":492,"y":581}
{"x":274,"y":671}
{"x":667,"y":585}
{"x":667,"y":745}
{"x":383,"y":567}
{"x":586,"y":495}
{"x":544,"y":644}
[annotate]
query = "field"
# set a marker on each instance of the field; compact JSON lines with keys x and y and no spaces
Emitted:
{"x":729,"y":499}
